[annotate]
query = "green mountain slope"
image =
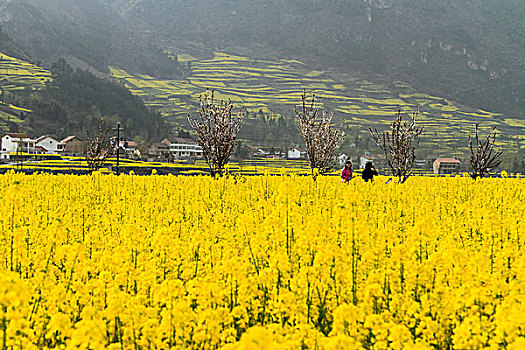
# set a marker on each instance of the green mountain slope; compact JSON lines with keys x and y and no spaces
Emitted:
{"x":68,"y":102}
{"x":470,"y":51}
{"x":88,"y":34}
{"x":272,"y":88}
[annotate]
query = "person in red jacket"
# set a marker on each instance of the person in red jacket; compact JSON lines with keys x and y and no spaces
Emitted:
{"x":346,"y":174}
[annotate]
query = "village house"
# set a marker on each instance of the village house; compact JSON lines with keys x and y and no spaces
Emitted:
{"x":420,"y":164}
{"x":269,"y":153}
{"x":446,"y":166}
{"x":297,"y":153}
{"x":17,"y":143}
{"x":379,"y":160}
{"x":129,"y":149}
{"x":261,"y":153}
{"x":159,"y":150}
{"x":49,"y":145}
{"x":249,"y":152}
{"x":73,"y":146}
{"x":185,"y":147}
{"x":277,"y":154}
{"x":166,"y":141}
{"x":363,"y":160}
{"x":341,"y":159}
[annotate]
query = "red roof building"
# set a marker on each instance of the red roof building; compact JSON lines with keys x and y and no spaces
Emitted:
{"x":73,"y":145}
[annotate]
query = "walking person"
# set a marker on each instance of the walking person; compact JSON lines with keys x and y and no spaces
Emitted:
{"x":369,"y":172}
{"x":346,"y":173}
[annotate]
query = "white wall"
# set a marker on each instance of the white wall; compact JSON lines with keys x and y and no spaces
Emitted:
{"x":363,"y":161}
{"x":50,"y":144}
{"x":10,"y":145}
{"x":295,"y":154}
{"x":185,"y":149}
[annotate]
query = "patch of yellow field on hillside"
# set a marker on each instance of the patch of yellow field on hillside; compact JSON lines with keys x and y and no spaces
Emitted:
{"x":419,"y":95}
{"x":15,"y":72}
{"x":515,"y":122}
{"x":477,"y":115}
{"x":185,"y":57}
{"x":314,"y":73}
{"x":119,"y":73}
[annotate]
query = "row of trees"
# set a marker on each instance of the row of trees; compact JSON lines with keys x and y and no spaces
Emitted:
{"x":217,"y":130}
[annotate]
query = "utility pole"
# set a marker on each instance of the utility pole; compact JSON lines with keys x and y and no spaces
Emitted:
{"x":19,"y":153}
{"x":118,"y":129}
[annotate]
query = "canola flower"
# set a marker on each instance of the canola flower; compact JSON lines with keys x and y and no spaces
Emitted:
{"x":265,"y":262}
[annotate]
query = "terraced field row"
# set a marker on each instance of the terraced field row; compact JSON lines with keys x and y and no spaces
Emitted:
{"x":274,"y":87}
{"x":16,"y":74}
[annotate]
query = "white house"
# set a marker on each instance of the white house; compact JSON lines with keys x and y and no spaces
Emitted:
{"x":182,"y":147}
{"x":49,"y":144}
{"x":363,"y":160}
{"x":16,"y":143}
{"x":341,"y":159}
{"x":261,"y":153}
{"x":296,"y":153}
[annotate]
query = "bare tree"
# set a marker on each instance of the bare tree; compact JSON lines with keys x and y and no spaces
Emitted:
{"x":320,"y":140}
{"x":483,"y":156}
{"x":217,"y":130}
{"x":98,"y":150}
{"x":397,"y":144}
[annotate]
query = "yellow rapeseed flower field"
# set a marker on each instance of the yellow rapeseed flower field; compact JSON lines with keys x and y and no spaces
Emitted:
{"x":263,"y":262}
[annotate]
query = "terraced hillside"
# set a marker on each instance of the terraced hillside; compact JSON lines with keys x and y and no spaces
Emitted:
{"x":18,"y":75}
{"x":274,"y":87}
{"x":74,"y":101}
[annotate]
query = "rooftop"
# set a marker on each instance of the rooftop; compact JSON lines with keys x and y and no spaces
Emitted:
{"x":448,"y":160}
{"x":17,"y":135}
{"x":70,"y":138}
{"x":43,"y":137}
{"x":130,"y":143}
{"x":183,"y":140}
{"x":160,"y":145}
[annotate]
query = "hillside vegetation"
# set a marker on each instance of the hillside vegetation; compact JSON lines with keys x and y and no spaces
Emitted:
{"x":68,"y":102}
{"x":90,"y":35}
{"x":271,"y":89}
{"x":17,"y":76}
{"x":468,"y":51}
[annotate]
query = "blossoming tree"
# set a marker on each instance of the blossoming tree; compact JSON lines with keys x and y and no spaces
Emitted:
{"x":320,"y":139}
{"x":217,"y":130}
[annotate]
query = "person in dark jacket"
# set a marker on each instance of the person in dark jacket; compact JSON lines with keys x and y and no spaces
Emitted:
{"x":369,"y":172}
{"x":346,"y":174}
